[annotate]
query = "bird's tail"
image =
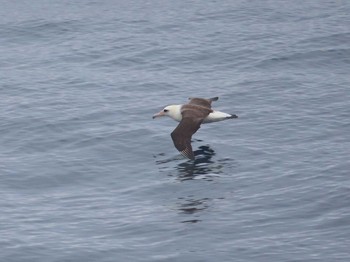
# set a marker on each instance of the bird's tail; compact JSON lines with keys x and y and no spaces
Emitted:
{"x":214,"y":99}
{"x":232,"y":116}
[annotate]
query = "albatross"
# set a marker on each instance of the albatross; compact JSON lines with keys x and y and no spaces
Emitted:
{"x":191,"y":115}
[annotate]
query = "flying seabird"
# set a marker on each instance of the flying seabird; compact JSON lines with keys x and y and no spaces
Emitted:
{"x":191,"y":116}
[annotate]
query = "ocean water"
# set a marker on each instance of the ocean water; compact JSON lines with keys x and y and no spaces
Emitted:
{"x":86,"y":174}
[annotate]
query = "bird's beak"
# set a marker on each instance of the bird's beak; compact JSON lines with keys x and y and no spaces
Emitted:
{"x":161,"y":113}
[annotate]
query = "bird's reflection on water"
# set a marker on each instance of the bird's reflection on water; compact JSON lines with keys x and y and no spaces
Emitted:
{"x":203,"y":164}
{"x":191,"y":207}
{"x":204,"y":168}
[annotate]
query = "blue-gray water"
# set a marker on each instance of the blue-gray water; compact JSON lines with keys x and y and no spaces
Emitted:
{"x":87,"y":175}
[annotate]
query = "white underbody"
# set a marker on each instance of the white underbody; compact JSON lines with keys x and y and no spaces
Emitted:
{"x":215,"y":116}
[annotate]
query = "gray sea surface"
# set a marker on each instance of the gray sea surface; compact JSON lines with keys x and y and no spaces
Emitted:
{"x":86,"y":174}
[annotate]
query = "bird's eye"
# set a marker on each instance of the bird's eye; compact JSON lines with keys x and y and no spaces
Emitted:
{"x":165,"y":110}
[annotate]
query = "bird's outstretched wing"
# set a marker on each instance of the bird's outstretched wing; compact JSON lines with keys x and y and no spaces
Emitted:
{"x":192,"y":118}
{"x":202,"y":101}
{"x":182,"y":135}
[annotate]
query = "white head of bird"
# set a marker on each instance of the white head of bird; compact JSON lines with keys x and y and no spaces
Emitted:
{"x":172,"y":111}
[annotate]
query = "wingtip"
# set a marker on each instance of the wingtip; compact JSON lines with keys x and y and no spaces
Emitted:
{"x":210,"y":99}
{"x":186,"y":153}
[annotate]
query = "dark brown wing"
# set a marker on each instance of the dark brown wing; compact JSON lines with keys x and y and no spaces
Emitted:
{"x":192,"y":118}
{"x":182,"y":135}
{"x":202,"y":101}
